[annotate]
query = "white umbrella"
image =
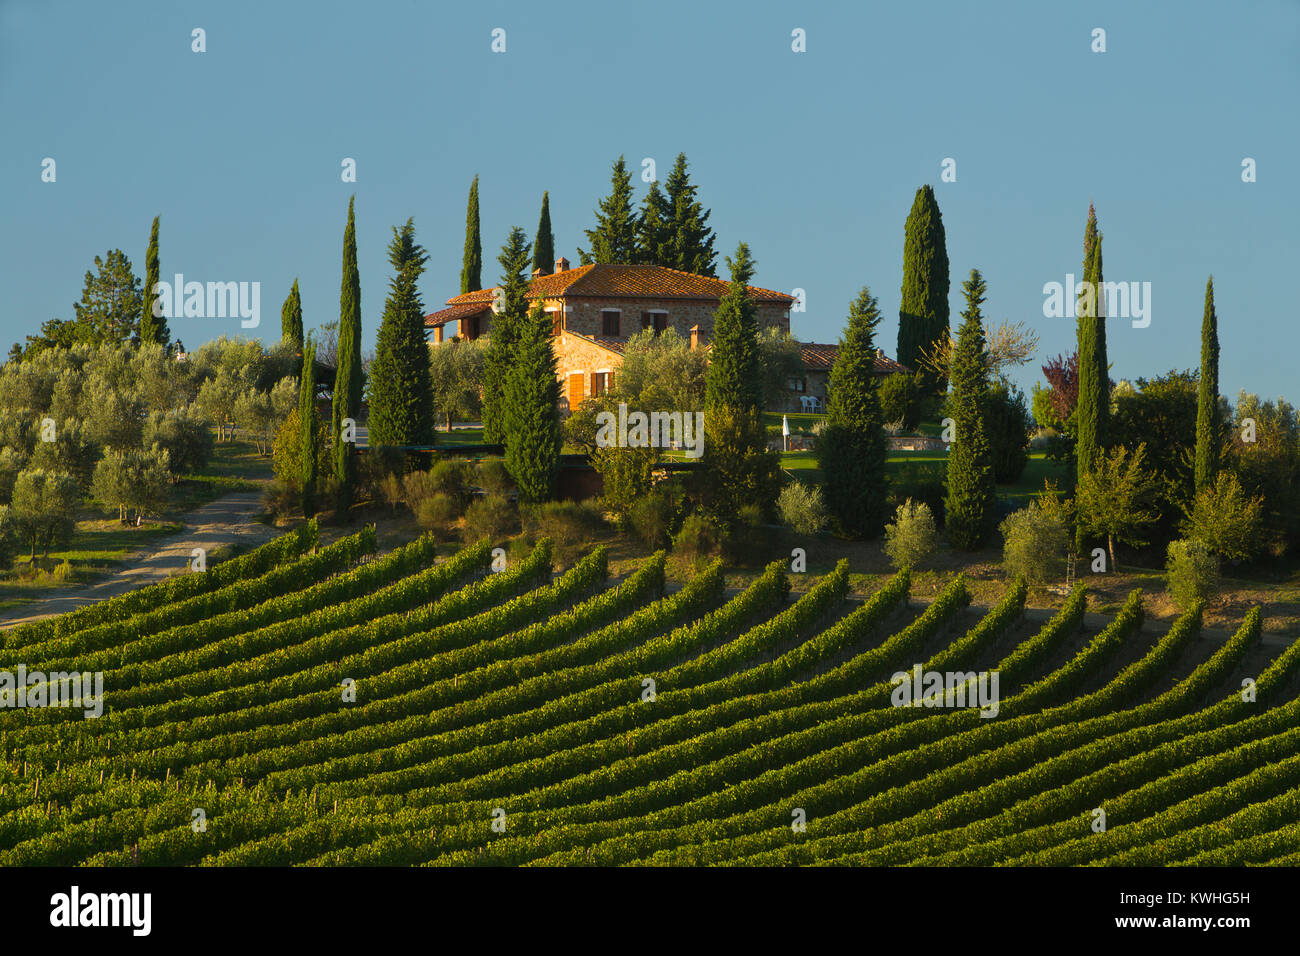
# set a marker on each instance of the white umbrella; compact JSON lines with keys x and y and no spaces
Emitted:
{"x":785,"y":431}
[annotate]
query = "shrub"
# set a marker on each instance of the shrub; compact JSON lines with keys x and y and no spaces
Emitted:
{"x":1008,"y":424}
{"x":452,"y":478}
{"x":900,"y":400}
{"x":651,"y":517}
{"x":1226,"y":520}
{"x":923,"y":484}
{"x":438,"y":513}
{"x":1035,"y":541}
{"x":801,"y":507}
{"x":492,"y":477}
{"x":1192,"y":572}
{"x":390,"y":489}
{"x":492,"y":517}
{"x":286,"y":452}
{"x":911,"y":537}
{"x":280,"y":500}
{"x":697,"y":538}
{"x":569,"y":524}
{"x":626,"y":476}
{"x":745,"y":540}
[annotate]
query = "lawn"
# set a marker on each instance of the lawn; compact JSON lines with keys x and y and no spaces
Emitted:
{"x":459,"y":436}
{"x":803,"y":465}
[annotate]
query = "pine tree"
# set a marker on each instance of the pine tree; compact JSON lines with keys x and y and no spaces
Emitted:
{"x":1208,"y":424}
{"x":471,"y":270}
{"x":291,"y":318}
{"x":654,"y":229}
{"x":923,"y":314}
{"x":401,"y":398}
{"x":153,"y":328}
{"x":506,"y":328}
{"x":307,"y":451}
{"x":614,"y":238}
{"x":530,"y":406}
{"x":347,"y":380}
{"x":851,"y":452}
{"x":544,"y":245}
{"x":735,"y":374}
{"x":691,"y":245}
{"x":111,"y":302}
{"x":738,"y":468}
{"x":1093,"y":408}
{"x":970,"y":506}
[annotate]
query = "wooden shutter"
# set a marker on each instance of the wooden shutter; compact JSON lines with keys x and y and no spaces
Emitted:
{"x":575,"y":391}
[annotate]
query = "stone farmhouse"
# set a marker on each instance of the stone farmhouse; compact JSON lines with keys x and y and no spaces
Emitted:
{"x":595,"y":309}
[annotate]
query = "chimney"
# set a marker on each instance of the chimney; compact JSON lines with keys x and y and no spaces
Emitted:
{"x":539,"y":271}
{"x":880,"y":353}
{"x":437,"y":334}
{"x":696,"y":336}
{"x":561,"y":264}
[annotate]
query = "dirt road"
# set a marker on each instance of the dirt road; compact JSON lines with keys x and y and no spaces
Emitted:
{"x":217,"y":523}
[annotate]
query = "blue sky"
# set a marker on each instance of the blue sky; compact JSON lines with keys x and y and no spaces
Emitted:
{"x":812,"y":158}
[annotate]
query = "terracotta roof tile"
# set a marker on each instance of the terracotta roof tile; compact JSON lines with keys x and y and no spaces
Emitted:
{"x":482,"y":295}
{"x":455,"y":313}
{"x":818,"y":357}
{"x":617,"y":346}
{"x":625,"y":281}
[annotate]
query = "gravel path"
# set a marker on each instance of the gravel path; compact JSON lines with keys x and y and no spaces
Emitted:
{"x":217,"y":523}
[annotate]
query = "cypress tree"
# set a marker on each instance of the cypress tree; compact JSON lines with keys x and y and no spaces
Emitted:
{"x":347,"y":379}
{"x":506,"y":328}
{"x":401,"y":397}
{"x":291,"y":317}
{"x":471,"y":270}
{"x":691,"y":240}
{"x":614,"y":238}
{"x":307,"y":450}
{"x":923,"y":314}
{"x":738,"y":468}
{"x":530,"y":404}
{"x":734,"y":379}
{"x":544,"y":245}
{"x":153,"y":328}
{"x":1208,"y":424}
{"x":851,"y":452}
{"x":654,"y":229}
{"x":970,"y":506}
{"x":1093,"y":408}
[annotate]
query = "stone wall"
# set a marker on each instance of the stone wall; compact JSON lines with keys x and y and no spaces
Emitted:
{"x":584,"y":315}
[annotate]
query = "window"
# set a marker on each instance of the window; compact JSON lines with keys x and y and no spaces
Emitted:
{"x":796,"y":385}
{"x":557,"y":320}
{"x":609,"y":322}
{"x":600,"y":382}
{"x":656,"y":320}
